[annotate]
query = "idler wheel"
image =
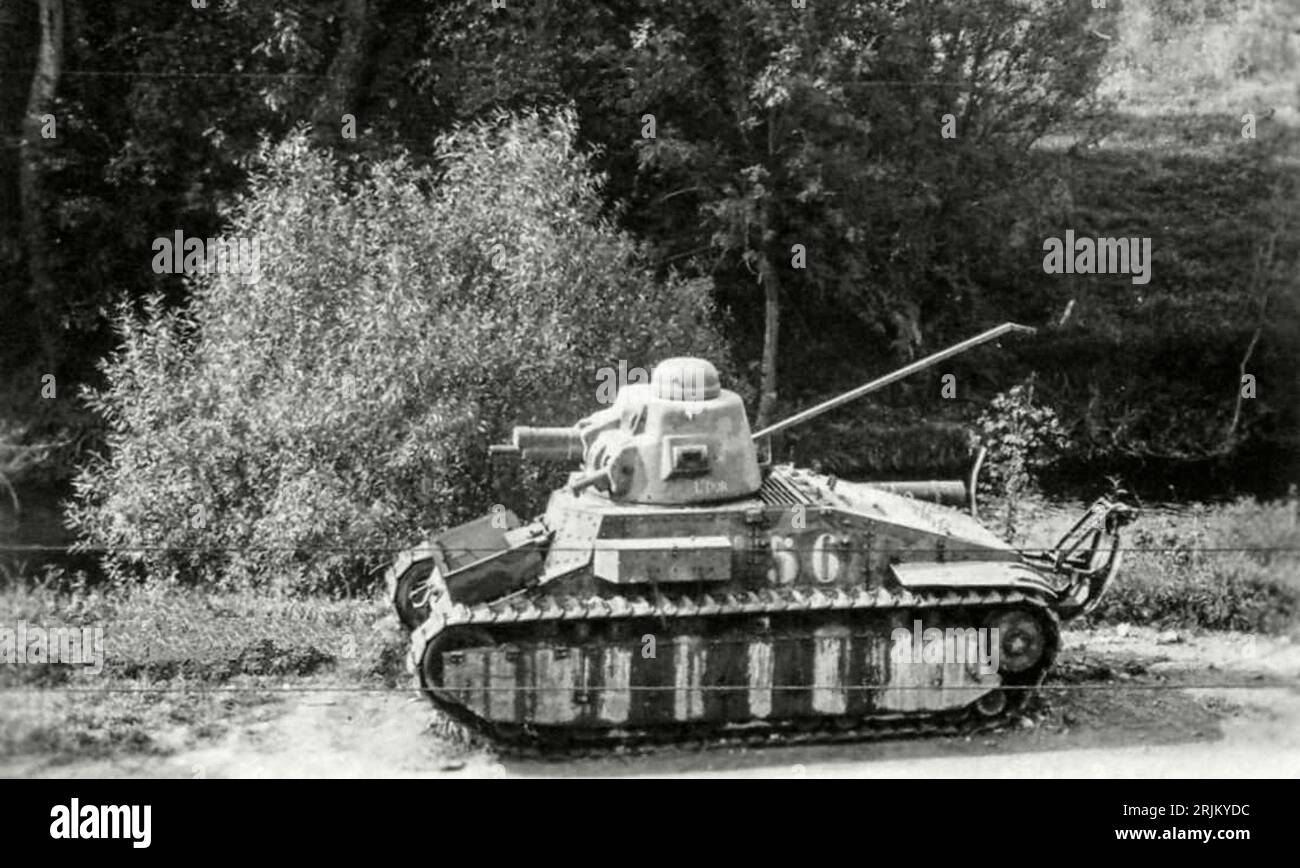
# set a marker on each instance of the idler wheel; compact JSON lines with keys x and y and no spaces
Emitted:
{"x":409,"y":596}
{"x":1021,"y":640}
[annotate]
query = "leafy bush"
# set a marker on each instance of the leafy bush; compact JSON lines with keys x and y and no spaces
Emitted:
{"x":286,"y":432}
{"x":1229,"y":567}
{"x":1022,"y":438}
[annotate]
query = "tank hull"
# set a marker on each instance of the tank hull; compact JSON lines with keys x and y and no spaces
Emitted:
{"x":814,"y":605}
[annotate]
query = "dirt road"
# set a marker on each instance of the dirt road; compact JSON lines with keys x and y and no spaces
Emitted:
{"x":1122,"y":703}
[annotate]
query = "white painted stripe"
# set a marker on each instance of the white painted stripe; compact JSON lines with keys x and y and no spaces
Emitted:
{"x":688,"y":671}
{"x":921,"y":686}
{"x":760,"y":679}
{"x":830,"y":669}
{"x":616,"y":697}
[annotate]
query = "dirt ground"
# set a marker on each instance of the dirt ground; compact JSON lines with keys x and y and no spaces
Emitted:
{"x":1122,"y":702}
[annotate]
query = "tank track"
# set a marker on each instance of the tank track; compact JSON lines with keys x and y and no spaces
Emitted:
{"x":572,"y":744}
{"x":560,"y":740}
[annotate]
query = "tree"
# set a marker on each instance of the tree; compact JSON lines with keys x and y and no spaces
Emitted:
{"x":822,"y":127}
{"x":818,"y":126}
{"x":36,"y":233}
{"x":342,"y":88}
{"x":289,"y":430}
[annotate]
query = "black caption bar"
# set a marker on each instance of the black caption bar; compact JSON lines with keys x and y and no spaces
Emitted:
{"x":133,"y":819}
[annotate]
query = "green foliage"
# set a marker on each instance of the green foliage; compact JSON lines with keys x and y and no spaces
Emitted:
{"x":404,"y":319}
{"x":1229,"y":567}
{"x":823,"y":128}
{"x":824,"y":120}
{"x":1022,"y":438}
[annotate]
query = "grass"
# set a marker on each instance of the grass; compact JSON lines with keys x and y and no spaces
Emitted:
{"x":1232,"y":566}
{"x":182,"y":666}
{"x":1227,"y":568}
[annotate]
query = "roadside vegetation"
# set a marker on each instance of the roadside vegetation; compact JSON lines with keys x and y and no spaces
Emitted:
{"x":1228,"y":566}
{"x":286,"y":433}
{"x":181,"y":666}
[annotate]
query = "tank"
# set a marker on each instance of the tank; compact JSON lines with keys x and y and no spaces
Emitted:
{"x":680,"y":585}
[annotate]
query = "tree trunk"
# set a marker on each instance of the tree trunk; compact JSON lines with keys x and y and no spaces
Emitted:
{"x":18,"y":38}
{"x":771,"y":284}
{"x":36,"y":235}
{"x":771,"y":320}
{"x":343,"y":87}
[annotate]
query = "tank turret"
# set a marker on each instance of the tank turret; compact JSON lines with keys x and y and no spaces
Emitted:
{"x":680,"y":439}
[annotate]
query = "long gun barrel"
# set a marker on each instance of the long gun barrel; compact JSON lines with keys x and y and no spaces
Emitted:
{"x":905,"y":371}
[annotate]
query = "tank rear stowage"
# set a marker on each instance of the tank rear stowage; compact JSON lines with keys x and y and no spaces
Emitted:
{"x":676,"y":587}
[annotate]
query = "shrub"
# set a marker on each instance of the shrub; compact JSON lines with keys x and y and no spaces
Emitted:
{"x":286,"y":432}
{"x":1022,"y":438}
{"x":1228,"y":567}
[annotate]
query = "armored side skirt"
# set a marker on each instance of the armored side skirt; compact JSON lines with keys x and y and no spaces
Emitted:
{"x":642,"y":672}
